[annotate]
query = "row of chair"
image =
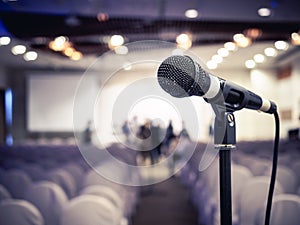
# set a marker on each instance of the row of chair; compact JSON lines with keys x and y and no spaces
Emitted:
{"x":250,"y":183}
{"x":67,"y":192}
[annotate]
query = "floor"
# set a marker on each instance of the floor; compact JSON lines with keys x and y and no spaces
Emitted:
{"x":165,"y":203}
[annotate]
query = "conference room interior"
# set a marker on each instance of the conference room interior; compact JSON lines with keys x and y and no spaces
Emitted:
{"x":90,"y":133}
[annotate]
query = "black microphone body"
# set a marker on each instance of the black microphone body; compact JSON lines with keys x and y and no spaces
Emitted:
{"x":181,"y":76}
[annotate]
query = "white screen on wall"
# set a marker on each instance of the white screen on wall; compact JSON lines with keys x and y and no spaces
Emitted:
{"x":50,"y":102}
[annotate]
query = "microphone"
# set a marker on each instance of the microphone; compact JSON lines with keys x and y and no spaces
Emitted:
{"x":181,"y":76}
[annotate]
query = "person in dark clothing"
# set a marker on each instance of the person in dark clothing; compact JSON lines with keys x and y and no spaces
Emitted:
{"x":87,"y":133}
{"x":169,"y":134}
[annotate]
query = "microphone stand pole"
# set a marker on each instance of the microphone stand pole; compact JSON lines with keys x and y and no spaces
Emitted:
{"x":224,"y":140}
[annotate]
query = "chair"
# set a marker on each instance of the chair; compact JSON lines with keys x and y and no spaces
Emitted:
{"x":4,"y":193}
{"x":77,"y":173}
{"x":106,"y":192}
{"x":19,"y":212}
{"x":35,"y":171}
{"x":128,"y":194}
{"x":90,"y":210}
{"x":285,"y":210}
{"x":49,"y":198}
{"x":64,"y":180}
{"x":253,"y":197}
{"x":16,"y":181}
{"x":287,"y":178}
{"x":239,"y":175}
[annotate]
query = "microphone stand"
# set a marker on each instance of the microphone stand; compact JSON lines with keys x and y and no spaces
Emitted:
{"x":224,"y":140}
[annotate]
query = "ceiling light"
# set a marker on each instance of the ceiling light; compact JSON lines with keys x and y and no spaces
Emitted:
{"x":271,"y":52}
{"x":76,"y":56}
{"x":184,"y":41}
{"x":223,"y":52}
{"x":18,"y":49}
{"x":211,"y":65}
{"x":121,"y":50}
{"x":191,"y":13}
{"x":230,"y":46}
{"x":59,"y":44}
{"x":102,"y":17}
{"x":250,"y":64}
{"x":4,"y":40}
{"x":69,"y":51}
{"x":253,"y":33}
{"x":259,"y":58}
{"x":30,"y":56}
{"x":116,"y":40}
{"x":295,"y":38}
{"x":217,"y":58}
{"x":182,"y":38}
{"x":241,"y":40}
{"x":238,"y":37}
{"x":281,"y":45}
{"x":264,"y":12}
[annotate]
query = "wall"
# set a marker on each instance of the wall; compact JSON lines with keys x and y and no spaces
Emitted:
{"x":3,"y":80}
{"x":251,"y":125}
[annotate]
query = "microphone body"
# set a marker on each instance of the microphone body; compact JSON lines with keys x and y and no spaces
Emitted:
{"x":181,"y":76}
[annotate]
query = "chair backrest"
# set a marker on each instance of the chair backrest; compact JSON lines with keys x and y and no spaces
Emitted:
{"x":89,"y":209}
{"x":49,"y":198}
{"x":239,"y":175}
{"x":287,"y":178}
{"x":4,"y":193}
{"x":285,"y":210}
{"x":106,"y":192}
{"x":77,"y":173}
{"x":16,"y":181}
{"x":64,"y":180}
{"x":253,"y":197}
{"x":35,"y":171}
{"x":19,"y":212}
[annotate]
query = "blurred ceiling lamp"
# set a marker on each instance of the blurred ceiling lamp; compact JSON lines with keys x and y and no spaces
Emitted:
{"x":101,"y":17}
{"x":250,"y":64}
{"x":184,"y":41}
{"x":76,"y":56}
{"x":241,"y":40}
{"x":217,"y":58}
{"x":264,"y":12}
{"x":121,"y":50}
{"x":281,"y":45}
{"x":4,"y":40}
{"x":223,"y":52}
{"x":295,"y":38}
{"x":271,"y":52}
{"x":259,"y":58}
{"x":115,"y":41}
{"x":253,"y":33}
{"x":230,"y":46}
{"x":30,"y":56}
{"x":59,"y":44}
{"x":69,"y":51}
{"x":191,"y":13}
{"x":18,"y":50}
{"x":211,"y":65}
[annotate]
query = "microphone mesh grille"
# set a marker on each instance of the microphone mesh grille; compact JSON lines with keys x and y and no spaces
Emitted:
{"x":176,"y":75}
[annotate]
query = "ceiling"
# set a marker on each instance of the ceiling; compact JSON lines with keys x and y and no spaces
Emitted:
{"x":87,"y":24}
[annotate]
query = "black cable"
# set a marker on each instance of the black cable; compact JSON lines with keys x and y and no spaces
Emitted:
{"x":274,"y":169}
